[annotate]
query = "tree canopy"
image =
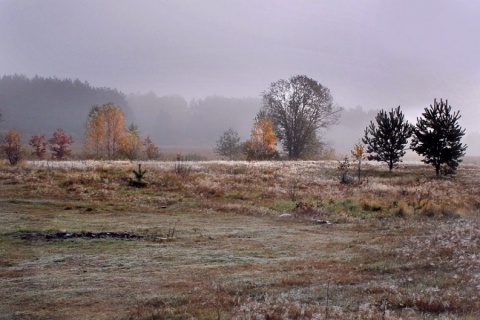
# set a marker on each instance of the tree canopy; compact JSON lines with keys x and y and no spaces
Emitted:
{"x":387,"y":140}
{"x":105,"y":130}
{"x":299,"y":107}
{"x":60,"y":145}
{"x":228,"y":145}
{"x":10,"y":145}
{"x":437,"y":137}
{"x":262,"y":142}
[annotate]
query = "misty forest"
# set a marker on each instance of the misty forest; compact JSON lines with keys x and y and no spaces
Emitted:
{"x":42,"y":105}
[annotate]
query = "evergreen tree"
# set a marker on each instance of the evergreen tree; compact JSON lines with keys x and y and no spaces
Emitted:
{"x":437,"y":137}
{"x":387,"y":142}
{"x":228,"y":145}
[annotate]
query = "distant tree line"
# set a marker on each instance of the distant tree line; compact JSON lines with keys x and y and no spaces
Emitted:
{"x":106,"y":137}
{"x":293,"y":117}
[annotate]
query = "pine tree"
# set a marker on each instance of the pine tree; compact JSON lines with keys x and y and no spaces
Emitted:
{"x":437,"y":137}
{"x":387,"y":142}
{"x":228,"y":145}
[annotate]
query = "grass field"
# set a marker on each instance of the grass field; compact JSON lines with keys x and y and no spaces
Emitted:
{"x":238,"y":240}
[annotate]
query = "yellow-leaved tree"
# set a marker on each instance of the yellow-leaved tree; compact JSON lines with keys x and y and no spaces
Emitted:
{"x":359,"y":154}
{"x":262,"y":142}
{"x":94,"y":133}
{"x":105,"y":131}
{"x":131,"y":144}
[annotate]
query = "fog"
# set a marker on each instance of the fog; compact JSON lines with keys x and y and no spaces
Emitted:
{"x":374,"y":54}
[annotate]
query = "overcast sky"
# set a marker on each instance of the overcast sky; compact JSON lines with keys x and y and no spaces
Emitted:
{"x":377,"y":54}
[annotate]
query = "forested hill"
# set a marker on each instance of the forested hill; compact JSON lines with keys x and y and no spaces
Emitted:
{"x":42,"y":105}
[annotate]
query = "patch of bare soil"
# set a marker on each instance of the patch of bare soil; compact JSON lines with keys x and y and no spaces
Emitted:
{"x":42,"y":236}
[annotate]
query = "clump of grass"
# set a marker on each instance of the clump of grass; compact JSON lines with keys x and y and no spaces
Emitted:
{"x":169,"y":181}
{"x":371,"y":205}
{"x":382,"y":266}
{"x":308,"y":210}
{"x":208,"y":190}
{"x":282,"y":206}
{"x":182,"y":168}
{"x":346,"y":205}
{"x":83,"y":179}
{"x":401,"y":209}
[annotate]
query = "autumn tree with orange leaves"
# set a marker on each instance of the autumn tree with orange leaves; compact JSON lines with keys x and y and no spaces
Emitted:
{"x":105,"y":131}
{"x":94,"y":133}
{"x":262,"y":142}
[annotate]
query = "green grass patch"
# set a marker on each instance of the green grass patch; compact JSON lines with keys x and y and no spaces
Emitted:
{"x":282,"y":205}
{"x":381,"y":266}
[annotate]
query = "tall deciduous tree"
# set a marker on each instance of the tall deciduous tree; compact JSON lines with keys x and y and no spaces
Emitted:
{"x":387,"y":141}
{"x":10,"y":145}
{"x":437,"y":137}
{"x":39,"y":144}
{"x":105,"y":130}
{"x":114,"y":126}
{"x":95,"y":132}
{"x":228,"y":145}
{"x":299,"y":108}
{"x":131,"y":144}
{"x":60,"y":145}
{"x":262,"y":142}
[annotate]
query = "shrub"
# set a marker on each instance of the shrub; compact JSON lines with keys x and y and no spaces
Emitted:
{"x":11,"y":146}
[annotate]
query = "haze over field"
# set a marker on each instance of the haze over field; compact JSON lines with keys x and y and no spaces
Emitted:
{"x":374,"y":54}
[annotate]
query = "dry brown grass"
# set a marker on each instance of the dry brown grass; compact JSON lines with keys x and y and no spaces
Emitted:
{"x":401,"y":245}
